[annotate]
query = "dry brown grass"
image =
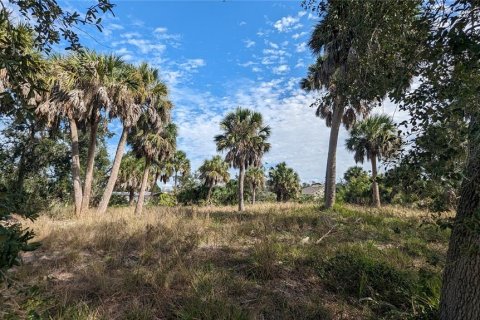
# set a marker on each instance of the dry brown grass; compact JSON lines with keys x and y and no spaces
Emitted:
{"x":193,"y":263}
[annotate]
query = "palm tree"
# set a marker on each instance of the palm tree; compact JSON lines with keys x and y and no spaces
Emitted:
{"x":213,"y":172}
{"x":130,"y":175}
{"x":101,"y":75}
{"x":153,"y":144}
{"x":180,"y":164}
{"x":372,"y":138}
{"x":140,"y":93}
{"x":365,"y":50}
{"x":284,"y":181}
{"x":322,"y":75}
{"x":65,"y":101}
{"x":245,"y":140}
{"x":255,"y":177}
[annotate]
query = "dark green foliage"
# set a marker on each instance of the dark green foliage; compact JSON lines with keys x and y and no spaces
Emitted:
{"x":284,"y":182}
{"x":357,"y":186}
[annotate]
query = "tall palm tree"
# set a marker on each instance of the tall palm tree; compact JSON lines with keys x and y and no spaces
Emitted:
{"x":255,"y":177}
{"x":374,"y":138}
{"x":66,"y":101}
{"x":141,"y":93}
{"x":101,"y":75}
{"x":244,"y":138}
{"x":365,"y":50}
{"x":153,"y":144}
{"x":322,"y":75}
{"x":130,"y":175}
{"x":213,"y":172}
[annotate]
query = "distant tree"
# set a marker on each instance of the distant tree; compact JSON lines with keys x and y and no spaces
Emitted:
{"x":212,"y":172}
{"x":357,"y":186}
{"x":130,"y":175}
{"x":284,"y":181}
{"x":180,"y":165}
{"x":152,"y":144}
{"x":244,"y":138}
{"x":365,"y":51}
{"x":374,"y":138}
{"x":255,"y":177}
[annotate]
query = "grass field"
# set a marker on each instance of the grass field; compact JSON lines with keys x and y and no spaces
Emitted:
{"x":275,"y":261}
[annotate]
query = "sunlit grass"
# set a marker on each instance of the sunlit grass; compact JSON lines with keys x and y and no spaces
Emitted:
{"x":273,"y":261}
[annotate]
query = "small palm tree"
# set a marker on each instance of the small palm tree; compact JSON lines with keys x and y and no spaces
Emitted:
{"x":130,"y":175}
{"x":154,"y":145}
{"x":180,"y":165}
{"x":372,"y":138}
{"x":255,"y":177}
{"x":284,"y":181}
{"x":212,"y":172}
{"x":245,"y":140}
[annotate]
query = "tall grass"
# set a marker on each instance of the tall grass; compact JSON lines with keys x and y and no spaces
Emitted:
{"x":274,"y":261}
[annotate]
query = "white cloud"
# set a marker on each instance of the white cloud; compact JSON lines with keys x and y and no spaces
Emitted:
{"x":160,"y":30}
{"x":247,"y":64}
{"x":287,"y":23}
{"x":256,"y":69}
{"x":301,"y":47}
{"x":242,"y":23}
{"x":249,"y":43}
{"x":281,"y":69}
{"x":298,"y":35}
{"x":192,"y":64}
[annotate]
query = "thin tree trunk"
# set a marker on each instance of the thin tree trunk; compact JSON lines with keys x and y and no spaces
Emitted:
{"x":77,"y":183}
{"x":253,"y":195}
{"x":241,"y":178}
{"x":131,"y":197}
{"x":209,"y":194}
{"x":87,"y":186}
{"x":376,"y":192}
{"x":175,"y":184}
{"x":330,"y":176}
{"x":460,"y":297}
{"x":107,"y":194}
{"x":22,"y":166}
{"x":141,"y":195}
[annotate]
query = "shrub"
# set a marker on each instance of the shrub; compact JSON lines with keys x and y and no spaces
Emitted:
{"x":164,"y":200}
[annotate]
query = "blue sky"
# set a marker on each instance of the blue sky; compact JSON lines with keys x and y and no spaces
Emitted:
{"x":217,"y":55}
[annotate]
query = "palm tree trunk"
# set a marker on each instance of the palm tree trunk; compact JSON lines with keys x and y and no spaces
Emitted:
{"x":376,"y":192}
{"x":77,"y":182}
{"x":241,"y":178}
{"x":87,"y":187}
{"x":107,"y":194}
{"x":131,"y":196}
{"x":209,"y":194}
{"x":141,"y":195}
{"x":330,"y":176}
{"x":175,"y":184}
{"x":460,"y":294}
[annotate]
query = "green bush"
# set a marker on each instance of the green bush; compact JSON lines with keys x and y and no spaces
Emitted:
{"x":164,"y":200}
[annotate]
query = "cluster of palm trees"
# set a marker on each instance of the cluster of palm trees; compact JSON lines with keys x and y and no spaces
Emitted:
{"x":335,"y":76}
{"x":87,"y":88}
